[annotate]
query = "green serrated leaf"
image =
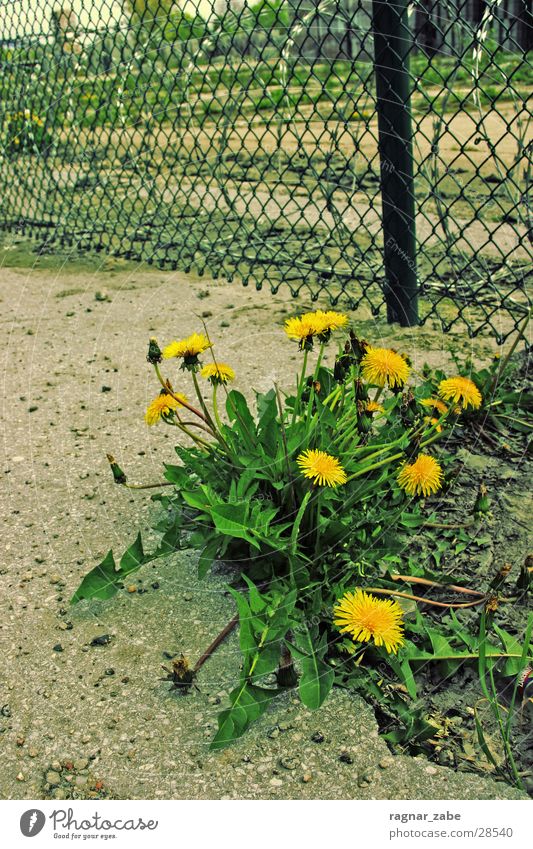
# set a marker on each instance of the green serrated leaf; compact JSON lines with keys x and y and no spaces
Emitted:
{"x":317,"y":677}
{"x":207,"y":556}
{"x":248,"y":703}
{"x":232,"y":520}
{"x":101,"y":582}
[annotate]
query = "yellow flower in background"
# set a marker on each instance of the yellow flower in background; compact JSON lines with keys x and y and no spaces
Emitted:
{"x":218,"y":373}
{"x":382,"y":366}
{"x":366,"y":618}
{"x":374,"y":407}
{"x":435,"y":404}
{"x":461,"y":390}
{"x":188,"y":348}
{"x":423,"y":477}
{"x":430,"y":421}
{"x":163,"y":405}
{"x":322,"y":468}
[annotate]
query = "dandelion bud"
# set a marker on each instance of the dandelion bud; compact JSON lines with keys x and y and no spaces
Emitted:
{"x":361,"y":392}
{"x":492,"y":604}
{"x":526,"y":572}
{"x":482,"y":505}
{"x":364,"y":420}
{"x":501,"y":577}
{"x":408,"y":409}
{"x":342,"y":365}
{"x":359,"y":346}
{"x":118,"y":475}
{"x":154,"y":355}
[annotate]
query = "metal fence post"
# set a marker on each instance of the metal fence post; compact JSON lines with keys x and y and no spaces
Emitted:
{"x":392,"y":44}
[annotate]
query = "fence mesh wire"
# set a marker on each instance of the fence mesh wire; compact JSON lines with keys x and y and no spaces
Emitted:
{"x":242,"y":140}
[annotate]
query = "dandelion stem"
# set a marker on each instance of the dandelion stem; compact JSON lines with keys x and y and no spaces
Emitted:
{"x":216,"y":642}
{"x":447,"y":604}
{"x":215,"y":406}
{"x":411,"y":579}
{"x":203,"y":405}
{"x":300,"y":386}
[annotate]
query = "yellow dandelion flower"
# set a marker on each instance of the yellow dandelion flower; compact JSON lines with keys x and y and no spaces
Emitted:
{"x":322,"y":468}
{"x":301,"y":328}
{"x":374,"y":407}
{"x":461,"y":390}
{"x":423,"y":477}
{"x":218,"y":373}
{"x":326,"y":322}
{"x":366,"y":618}
{"x":320,"y":323}
{"x":435,"y":404}
{"x":382,"y":366}
{"x":163,"y":405}
{"x":188,"y":348}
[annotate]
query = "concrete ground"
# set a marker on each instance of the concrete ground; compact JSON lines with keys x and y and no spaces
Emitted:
{"x":99,"y":719}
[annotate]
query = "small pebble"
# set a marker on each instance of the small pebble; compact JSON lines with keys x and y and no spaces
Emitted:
{"x":276,"y":782}
{"x":53,"y":777}
{"x":385,"y":763}
{"x":317,"y":737}
{"x":288,"y":762}
{"x":431,"y":770}
{"x":132,"y":588}
{"x":21,"y":777}
{"x":306,"y":777}
{"x":102,"y":640}
{"x":58,"y":647}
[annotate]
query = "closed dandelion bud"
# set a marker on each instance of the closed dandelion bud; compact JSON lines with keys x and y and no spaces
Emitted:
{"x":361,"y":392}
{"x":359,"y":347}
{"x":526,"y":574}
{"x":408,"y":409}
{"x":118,"y":475}
{"x":492,"y":604}
{"x":482,"y":505}
{"x":341,"y":367}
{"x":501,"y":577}
{"x":364,"y":420}
{"x":154,"y":355}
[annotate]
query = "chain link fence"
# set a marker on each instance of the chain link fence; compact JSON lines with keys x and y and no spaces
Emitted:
{"x":378,"y":152}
